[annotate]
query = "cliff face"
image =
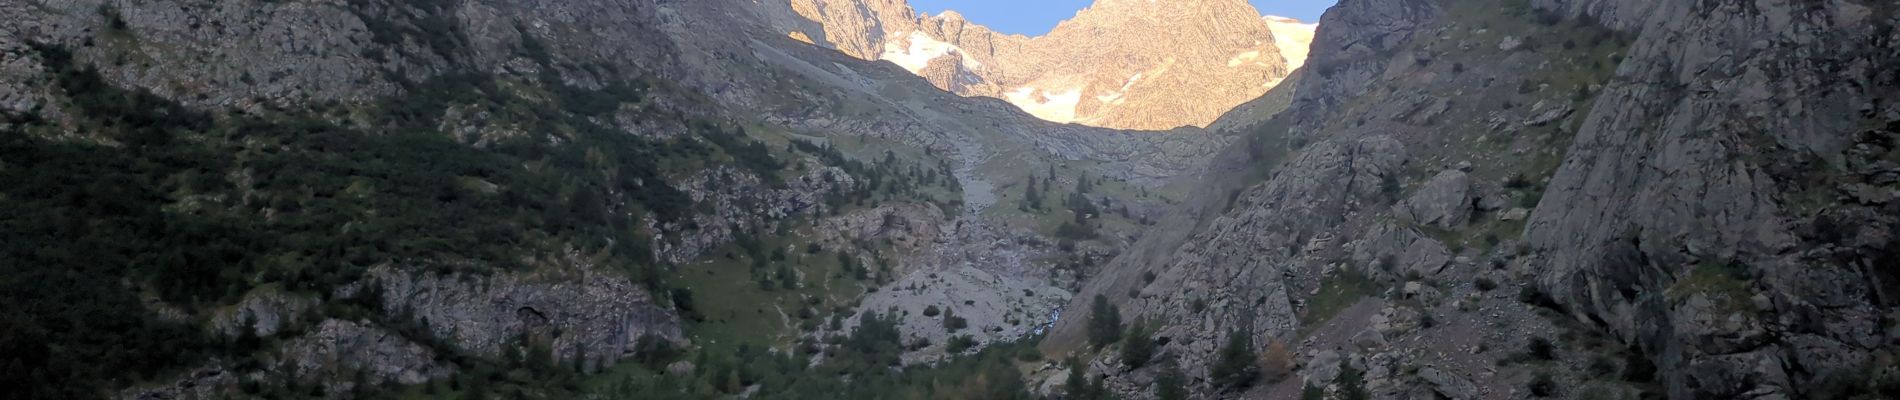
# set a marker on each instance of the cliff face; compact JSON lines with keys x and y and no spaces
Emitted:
{"x":1117,"y":64}
{"x":1729,"y":201}
{"x":1661,"y":189}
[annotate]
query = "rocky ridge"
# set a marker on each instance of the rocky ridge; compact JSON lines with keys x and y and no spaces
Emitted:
{"x":1118,"y":64}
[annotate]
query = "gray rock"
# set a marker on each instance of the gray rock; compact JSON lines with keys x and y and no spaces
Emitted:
{"x":597,"y":313}
{"x":381,"y":356}
{"x":1444,"y":201}
{"x":204,"y":383}
{"x":1546,"y":112}
{"x":1426,"y":256}
{"x":1448,"y":384}
{"x":1639,"y":196}
{"x":267,"y":310}
{"x":1510,"y":43}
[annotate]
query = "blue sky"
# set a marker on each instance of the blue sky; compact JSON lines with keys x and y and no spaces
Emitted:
{"x":1036,"y":17}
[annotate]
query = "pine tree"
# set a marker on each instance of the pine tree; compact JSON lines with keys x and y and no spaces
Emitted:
{"x":1235,"y":368}
{"x":1105,"y":322}
{"x":1137,"y":346}
{"x":1032,"y":198}
{"x":1171,"y":384}
{"x":1079,"y":386}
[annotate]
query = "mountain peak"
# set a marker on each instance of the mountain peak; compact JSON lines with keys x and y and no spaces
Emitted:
{"x":1130,"y":64}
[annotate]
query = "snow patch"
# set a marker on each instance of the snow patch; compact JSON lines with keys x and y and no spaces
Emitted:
{"x":1049,"y":105}
{"x":1294,"y":38}
{"x":916,"y":50}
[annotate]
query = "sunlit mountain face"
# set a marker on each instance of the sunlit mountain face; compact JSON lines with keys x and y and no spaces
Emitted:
{"x":1117,"y":64}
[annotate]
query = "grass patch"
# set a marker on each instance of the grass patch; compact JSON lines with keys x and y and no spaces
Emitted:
{"x":1726,"y":284}
{"x":734,"y":307}
{"x":1335,"y":294}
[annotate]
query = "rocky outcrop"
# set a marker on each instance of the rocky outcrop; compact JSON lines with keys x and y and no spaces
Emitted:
{"x":339,"y":354}
{"x":264,"y":312}
{"x":567,"y":303}
{"x":1119,"y":63}
{"x":1444,"y":201}
{"x":910,"y":228}
{"x":22,"y":95}
{"x":742,"y":201}
{"x":203,"y":383}
{"x":1654,"y":223}
{"x":1357,"y":38}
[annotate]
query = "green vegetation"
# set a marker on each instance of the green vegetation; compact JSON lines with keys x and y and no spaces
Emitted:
{"x":858,"y":366}
{"x":1726,"y":284}
{"x":886,"y":179}
{"x":1536,"y":350}
{"x":1079,"y":386}
{"x":159,"y":205}
{"x":1171,"y":384}
{"x":1352,"y":383}
{"x":1138,"y":346}
{"x":959,"y":343}
{"x":1542,"y":385}
{"x":755,"y":306}
{"x":1235,"y":369}
{"x":1105,"y":322}
{"x":1336,"y":293}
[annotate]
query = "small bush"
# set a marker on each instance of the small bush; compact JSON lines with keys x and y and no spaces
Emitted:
{"x":1541,"y":349}
{"x":1534,"y":296}
{"x":1277,"y":362}
{"x":1543,"y":386}
{"x":1485,"y":284}
{"x":959,"y":343}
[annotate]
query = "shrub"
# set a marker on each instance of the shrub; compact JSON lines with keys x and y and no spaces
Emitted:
{"x":1543,"y":386}
{"x":932,"y":311}
{"x":959,"y":343}
{"x":1485,"y":284}
{"x":1352,"y":383}
{"x":1541,"y":349}
{"x":952,"y":322}
{"x":1535,"y":296}
{"x":1277,"y":362}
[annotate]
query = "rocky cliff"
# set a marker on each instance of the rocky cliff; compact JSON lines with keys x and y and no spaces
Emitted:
{"x":1118,"y":64}
{"x":1498,"y":199}
{"x":1704,"y":211}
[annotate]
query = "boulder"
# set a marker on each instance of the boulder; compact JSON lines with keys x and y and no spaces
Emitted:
{"x":1445,"y":201}
{"x":1426,"y":256}
{"x":1448,"y":384}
